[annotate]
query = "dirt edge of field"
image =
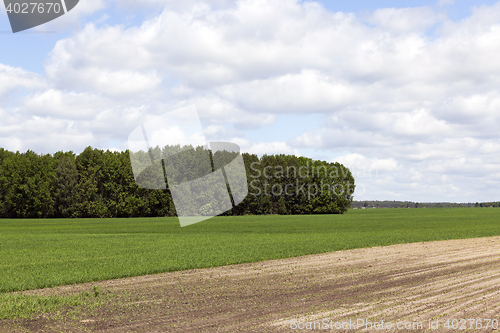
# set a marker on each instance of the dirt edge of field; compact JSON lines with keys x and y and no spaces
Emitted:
{"x":410,"y":284}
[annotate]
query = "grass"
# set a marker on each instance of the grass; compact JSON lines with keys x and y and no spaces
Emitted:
{"x":15,"y":305}
{"x":46,"y":253}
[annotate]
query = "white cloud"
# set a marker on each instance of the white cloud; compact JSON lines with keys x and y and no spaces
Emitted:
{"x":404,"y":20}
{"x":490,"y":147}
{"x":362,"y":164}
{"x":218,"y":110}
{"x":174,"y":136}
{"x":54,"y":103}
{"x":307,"y":91}
{"x":270,"y":148}
{"x":420,"y":123}
{"x":478,"y":111}
{"x":118,"y":83}
{"x":12,"y":78}
{"x":205,"y":47}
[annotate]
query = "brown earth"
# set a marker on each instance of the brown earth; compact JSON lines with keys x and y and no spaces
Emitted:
{"x":409,"y":283}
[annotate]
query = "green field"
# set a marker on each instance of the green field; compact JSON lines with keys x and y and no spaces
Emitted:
{"x":44,"y":253}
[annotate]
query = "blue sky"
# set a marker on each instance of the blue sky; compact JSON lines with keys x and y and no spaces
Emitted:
{"x":456,"y":10}
{"x":404,"y":93}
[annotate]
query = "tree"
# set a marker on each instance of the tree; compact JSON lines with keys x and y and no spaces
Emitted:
{"x":66,"y":180}
{"x":89,"y":201}
{"x":27,"y":185}
{"x":95,"y":183}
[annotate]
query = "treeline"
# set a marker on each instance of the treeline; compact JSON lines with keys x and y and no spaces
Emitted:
{"x":97,"y":183}
{"x":411,"y":204}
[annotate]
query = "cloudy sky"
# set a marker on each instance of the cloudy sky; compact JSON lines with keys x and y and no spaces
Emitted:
{"x":405,"y":93}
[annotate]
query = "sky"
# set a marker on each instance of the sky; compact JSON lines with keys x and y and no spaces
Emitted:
{"x":404,"y":93}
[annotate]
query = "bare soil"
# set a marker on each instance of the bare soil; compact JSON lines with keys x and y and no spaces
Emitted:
{"x":406,"y":284}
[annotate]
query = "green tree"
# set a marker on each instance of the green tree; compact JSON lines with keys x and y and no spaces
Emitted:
{"x":27,"y":180}
{"x":66,"y":180}
{"x":89,"y":200}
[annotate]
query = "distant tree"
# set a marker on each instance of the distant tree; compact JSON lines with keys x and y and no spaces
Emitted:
{"x":66,"y":179}
{"x":89,"y":201}
{"x":281,"y":209}
{"x":29,"y":184}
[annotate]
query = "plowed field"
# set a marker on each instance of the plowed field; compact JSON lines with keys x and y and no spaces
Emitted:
{"x":404,"y":284}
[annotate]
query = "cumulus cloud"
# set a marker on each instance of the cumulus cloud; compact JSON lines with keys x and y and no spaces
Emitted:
{"x":270,"y":148}
{"x":12,"y":78}
{"x":73,"y":106}
{"x":205,"y":47}
{"x":307,"y":91}
{"x":404,"y":20}
{"x":358,"y":161}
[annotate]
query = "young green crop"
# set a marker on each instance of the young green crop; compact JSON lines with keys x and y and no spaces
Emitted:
{"x":25,"y":306}
{"x":45,"y":253}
